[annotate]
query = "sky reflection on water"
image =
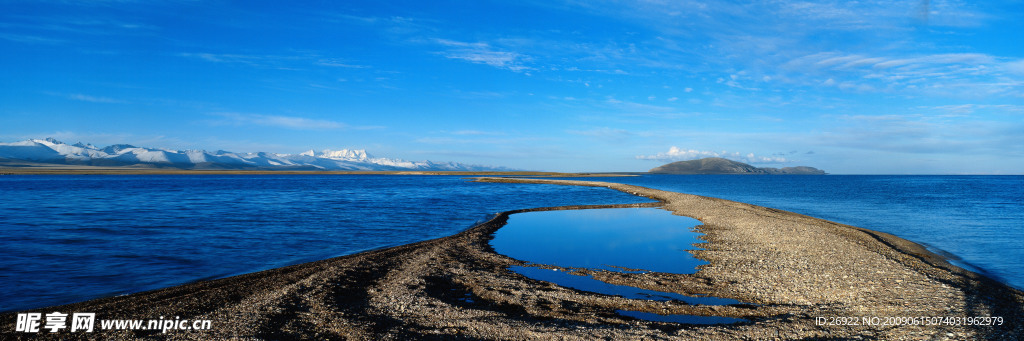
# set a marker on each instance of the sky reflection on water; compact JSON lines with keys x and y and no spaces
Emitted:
{"x":614,"y":240}
{"x":607,"y":239}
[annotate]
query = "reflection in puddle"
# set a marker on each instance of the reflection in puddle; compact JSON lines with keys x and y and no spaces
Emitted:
{"x":605,"y":239}
{"x":688,"y":319}
{"x":618,"y":239}
{"x":587,"y":283}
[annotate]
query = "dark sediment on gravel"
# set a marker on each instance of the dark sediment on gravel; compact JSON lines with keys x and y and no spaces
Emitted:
{"x":794,"y":269}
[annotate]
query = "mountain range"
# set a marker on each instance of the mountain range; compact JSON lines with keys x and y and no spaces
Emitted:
{"x":717,"y":165}
{"x":51,"y":151}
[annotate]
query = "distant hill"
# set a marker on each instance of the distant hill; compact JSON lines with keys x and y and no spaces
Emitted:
{"x":717,"y":165}
{"x":39,"y":152}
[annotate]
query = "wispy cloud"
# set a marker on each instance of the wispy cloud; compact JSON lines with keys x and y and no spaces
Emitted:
{"x":923,"y":134}
{"x":829,"y":14}
{"x":483,"y":53}
{"x":393,"y":27}
{"x":290,"y":122}
{"x":1015,"y":67}
{"x":678,"y":154}
{"x":93,"y":99}
{"x":629,"y":108}
{"x":959,"y":110}
{"x":38,"y":27}
{"x":733,"y":81}
{"x":944,"y":72}
{"x":30,"y":39}
{"x":339,"y":63}
{"x":250,"y":60}
{"x":297,"y":61}
{"x":785,"y":37}
{"x":604,"y":133}
{"x":474,"y":139}
{"x":478,"y":133}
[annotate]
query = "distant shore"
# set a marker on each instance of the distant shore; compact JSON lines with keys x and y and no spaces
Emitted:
{"x":805,"y":278}
{"x":91,"y":170}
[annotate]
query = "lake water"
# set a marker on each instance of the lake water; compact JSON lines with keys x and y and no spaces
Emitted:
{"x":71,"y":238}
{"x":611,"y":239}
{"x":977,"y":219}
{"x":614,"y":239}
{"x":588,"y":283}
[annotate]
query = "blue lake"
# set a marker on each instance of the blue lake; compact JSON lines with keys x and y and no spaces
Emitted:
{"x":977,"y":220}
{"x":71,"y":238}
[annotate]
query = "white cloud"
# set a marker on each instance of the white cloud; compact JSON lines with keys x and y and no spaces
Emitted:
{"x":678,"y":154}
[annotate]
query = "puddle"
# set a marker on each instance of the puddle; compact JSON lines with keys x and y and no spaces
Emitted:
{"x":612,"y":239}
{"x":617,"y":239}
{"x":688,"y":319}
{"x":588,"y":283}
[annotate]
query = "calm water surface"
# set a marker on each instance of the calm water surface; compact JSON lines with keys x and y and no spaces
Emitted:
{"x":978,"y":219}
{"x":72,"y":238}
{"x":612,"y":239}
{"x":588,"y":283}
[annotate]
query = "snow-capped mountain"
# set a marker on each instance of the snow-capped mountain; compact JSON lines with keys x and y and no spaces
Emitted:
{"x":52,"y":151}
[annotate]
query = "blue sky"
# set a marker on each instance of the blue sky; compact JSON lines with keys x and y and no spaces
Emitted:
{"x":861,"y":87}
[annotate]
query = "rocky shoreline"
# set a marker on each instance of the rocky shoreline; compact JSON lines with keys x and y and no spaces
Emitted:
{"x":804,"y":277}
